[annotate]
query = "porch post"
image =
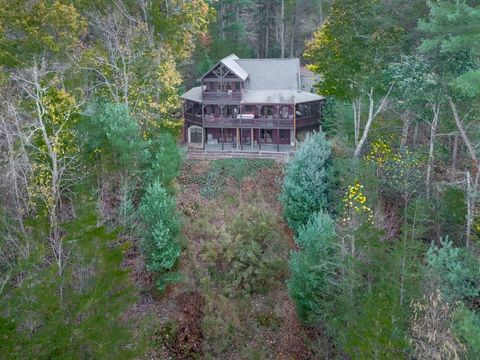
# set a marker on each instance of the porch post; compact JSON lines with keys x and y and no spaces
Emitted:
{"x":251,"y":138}
{"x":222,"y":138}
{"x":203,"y":126}
{"x":241,"y":142}
{"x":238,"y":138}
{"x":259,"y":142}
{"x":278,"y":140}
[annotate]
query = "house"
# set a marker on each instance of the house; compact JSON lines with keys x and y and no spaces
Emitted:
{"x":251,"y":104}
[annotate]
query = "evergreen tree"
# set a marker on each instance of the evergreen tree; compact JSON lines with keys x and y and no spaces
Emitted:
{"x":160,"y":246}
{"x":308,"y":178}
{"x":315,"y":270}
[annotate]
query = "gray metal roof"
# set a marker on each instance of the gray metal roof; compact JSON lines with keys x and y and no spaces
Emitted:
{"x":194,"y":94}
{"x":278,"y":97}
{"x":268,"y":81}
{"x":271,"y":74}
{"x":231,"y":62}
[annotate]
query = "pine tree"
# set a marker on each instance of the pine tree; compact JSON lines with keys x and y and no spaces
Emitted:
{"x":307,"y":181}
{"x":160,"y":246}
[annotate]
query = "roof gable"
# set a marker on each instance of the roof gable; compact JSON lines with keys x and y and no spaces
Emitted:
{"x":230,"y":63}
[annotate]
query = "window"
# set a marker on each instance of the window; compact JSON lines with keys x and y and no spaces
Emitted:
{"x":284,"y":134}
{"x":266,"y":135}
{"x":196,"y":135}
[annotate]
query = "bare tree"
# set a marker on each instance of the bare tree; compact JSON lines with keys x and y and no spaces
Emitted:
{"x":57,"y":170}
{"x":373,"y":112}
{"x":433,"y":134}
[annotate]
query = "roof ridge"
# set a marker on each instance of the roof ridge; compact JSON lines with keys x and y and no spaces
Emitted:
{"x":269,"y":59}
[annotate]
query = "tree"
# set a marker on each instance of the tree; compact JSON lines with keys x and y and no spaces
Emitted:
{"x":452,"y":41}
{"x":42,"y":28}
{"x":315,"y":270}
{"x":417,"y":82}
{"x":53,"y":144}
{"x":307,"y":181}
{"x":160,"y":246}
{"x":350,"y":52}
{"x":163,"y":160}
{"x":134,"y":53}
{"x":113,"y":133}
{"x":455,"y":270}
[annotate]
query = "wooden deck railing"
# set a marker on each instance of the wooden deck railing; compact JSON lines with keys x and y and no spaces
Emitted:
{"x":214,"y":95}
{"x":305,"y":121}
{"x":196,"y":119}
{"x":248,"y":123}
{"x":264,"y":122}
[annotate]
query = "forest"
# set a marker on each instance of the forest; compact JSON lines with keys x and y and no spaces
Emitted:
{"x":115,"y":244}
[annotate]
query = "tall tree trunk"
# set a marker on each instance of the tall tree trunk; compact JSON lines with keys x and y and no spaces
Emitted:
{"x":282,"y":29}
{"x":357,"y":116}
{"x":455,"y":153}
{"x":294,"y":25}
{"x":415,"y":134}
{"x":472,"y":190}
{"x":321,"y":11}
{"x":433,"y":133}
{"x":266,"y":29}
{"x":405,"y":131}
{"x":372,"y":114}
{"x":463,"y":133}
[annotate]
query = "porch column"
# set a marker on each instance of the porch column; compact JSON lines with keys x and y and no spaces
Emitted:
{"x":278,"y":140}
{"x":238,"y":138}
{"x":203,"y":126}
{"x":259,"y":142}
{"x":222,"y":138}
{"x":251,"y":138}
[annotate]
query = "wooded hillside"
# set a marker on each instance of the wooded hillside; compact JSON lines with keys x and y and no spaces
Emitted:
{"x":364,"y":245}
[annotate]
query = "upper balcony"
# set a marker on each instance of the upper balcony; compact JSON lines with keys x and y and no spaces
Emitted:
{"x":214,"y":97}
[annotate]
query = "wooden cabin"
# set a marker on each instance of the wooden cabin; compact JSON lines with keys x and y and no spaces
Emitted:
{"x":252,"y":104}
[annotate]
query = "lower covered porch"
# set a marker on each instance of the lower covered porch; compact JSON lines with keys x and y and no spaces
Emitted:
{"x":279,"y":140}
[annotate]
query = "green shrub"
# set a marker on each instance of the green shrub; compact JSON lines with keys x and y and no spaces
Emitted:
{"x":160,"y":245}
{"x":455,"y":270}
{"x":213,"y":179}
{"x":251,"y":254}
{"x":307,"y":181}
{"x":453,"y":211}
{"x":466,"y":325}
{"x":314,"y":269}
{"x":375,"y":326}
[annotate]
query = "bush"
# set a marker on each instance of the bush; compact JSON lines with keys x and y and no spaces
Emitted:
{"x":314,"y":270}
{"x":307,"y":181}
{"x":213,"y":180}
{"x":160,"y":245}
{"x":455,"y":270}
{"x":466,"y":325}
{"x":251,"y":255}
